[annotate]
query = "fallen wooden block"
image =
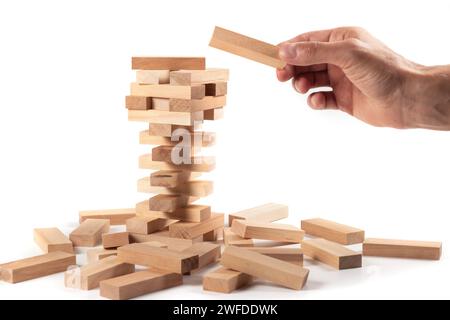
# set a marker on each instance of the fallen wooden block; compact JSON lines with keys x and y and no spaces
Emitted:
{"x":246,"y":47}
{"x":191,"y":77}
{"x":115,"y":216}
{"x":213,"y":114}
{"x":169,"y":203}
{"x":136,"y":284}
{"x":214,"y":235}
{"x":198,"y":164}
{"x":88,"y":277}
{"x":167,"y":91}
{"x":99,"y":254}
{"x":267,"y":231}
{"x":167,"y":130}
{"x":268,"y":212}
{"x":175,"y":244}
{"x":207,"y":253}
{"x":196,"y":188}
{"x":216,"y":89}
{"x":200,"y":139}
{"x":157,"y":244}
{"x":225,"y":280}
{"x":253,"y":263}
{"x":147,"y":225}
{"x":138,"y":103}
{"x":114,"y":240}
{"x":207,"y":103}
{"x":402,"y":249}
{"x":152,"y":76}
{"x":232,"y":239}
{"x":332,"y":231}
{"x":292,"y":255}
{"x":167,"y":63}
{"x":52,"y":239}
{"x":190,"y":230}
{"x":89,"y":232}
{"x":36,"y":267}
{"x":165,"y":117}
{"x":189,"y":213}
{"x":331,"y":253}
{"x":161,"y":258}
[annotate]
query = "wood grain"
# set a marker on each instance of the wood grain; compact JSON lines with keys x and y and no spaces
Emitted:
{"x":332,"y":231}
{"x":89,"y":232}
{"x":402,"y":248}
{"x":52,"y":239}
{"x":167,"y":63}
{"x":115,"y":216}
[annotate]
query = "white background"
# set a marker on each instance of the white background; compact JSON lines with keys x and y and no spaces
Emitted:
{"x":66,"y":144}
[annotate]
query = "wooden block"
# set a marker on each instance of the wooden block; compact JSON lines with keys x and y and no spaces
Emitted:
{"x":165,"y":259}
{"x":99,"y":254}
{"x":115,"y":216}
{"x":402,"y":249}
{"x":138,"y":103}
{"x":114,"y":240}
{"x":332,"y":231}
{"x":196,"y":188}
{"x":166,"y":130}
{"x":216,"y":89}
{"x":157,"y":244}
{"x":190,"y":230}
{"x":174,"y":244}
{"x":213,"y":114}
{"x":199,"y":164}
{"x":190,"y":213}
{"x":165,"y":117}
{"x":88,"y":277}
{"x":152,"y":76}
{"x":207,"y":103}
{"x":214,"y":235}
{"x":170,"y":178}
{"x":232,"y":239}
{"x":169,"y":203}
{"x":202,"y":139}
{"x":246,"y":47}
{"x":52,"y":239}
{"x":89,"y":232}
{"x":292,"y":255}
{"x":225,"y":280}
{"x":264,"y":267}
{"x":167,"y":91}
{"x":268,"y":212}
{"x":207,"y":253}
{"x":175,"y":154}
{"x":191,"y":77}
{"x":36,"y":267}
{"x":167,"y":63}
{"x":267,"y":231}
{"x":139,"y":283}
{"x":147,"y":225}
{"x":331,"y":253}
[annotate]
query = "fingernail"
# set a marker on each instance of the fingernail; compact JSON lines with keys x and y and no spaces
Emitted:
{"x":288,"y":51}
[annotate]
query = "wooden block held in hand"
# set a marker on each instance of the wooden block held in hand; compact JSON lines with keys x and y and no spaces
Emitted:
{"x":36,"y":267}
{"x":190,"y":230}
{"x":268,"y":212}
{"x":167,"y":91}
{"x":52,"y":239}
{"x":99,"y":254}
{"x":331,"y":253}
{"x":89,"y":232}
{"x":232,"y":239}
{"x":402,"y":249}
{"x":191,"y":77}
{"x":138,"y":103}
{"x":152,"y":76}
{"x":167,"y":63}
{"x":225,"y":280}
{"x":267,"y":231}
{"x":147,"y":225}
{"x":332,"y":231}
{"x":115,"y":216}
{"x":246,"y":47}
{"x":207,"y":253}
{"x":189,"y":213}
{"x":114,"y":240}
{"x":216,"y":89}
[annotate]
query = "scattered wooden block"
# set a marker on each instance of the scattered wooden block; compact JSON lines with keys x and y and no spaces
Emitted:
{"x":88,"y":277}
{"x":147,"y":225}
{"x":152,"y":76}
{"x":196,"y":188}
{"x":115,"y":216}
{"x":191,"y":77}
{"x":207,"y":253}
{"x":214,"y":235}
{"x":190,"y":213}
{"x":207,"y":103}
{"x":157,"y":244}
{"x":114,"y":240}
{"x":264,"y":267}
{"x":202,"y":139}
{"x":213,"y":114}
{"x":225,"y":280}
{"x":216,"y":89}
{"x":139,"y":283}
{"x":167,"y":63}
{"x":174,"y":244}
{"x":170,"y":178}
{"x":198,"y":164}
{"x":246,"y":47}
{"x":190,"y":230}
{"x":166,"y":130}
{"x":89,"y":232}
{"x":292,"y":255}
{"x":232,"y":239}
{"x":99,"y":254}
{"x":165,"y":259}
{"x":332,"y":231}
{"x":165,"y":117}
{"x":402,"y":249}
{"x":268,"y":212}
{"x":267,"y":231}
{"x":331,"y":253}
{"x":52,"y":239}
{"x":138,"y":103}
{"x":167,"y":91}
{"x":36,"y":267}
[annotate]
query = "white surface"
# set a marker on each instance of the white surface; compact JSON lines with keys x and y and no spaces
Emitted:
{"x":67,"y":145}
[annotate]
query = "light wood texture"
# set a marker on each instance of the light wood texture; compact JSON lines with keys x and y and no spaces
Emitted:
{"x":115,"y":216}
{"x":161,"y":258}
{"x":213,"y":114}
{"x":99,"y":254}
{"x":203,"y":139}
{"x":199,"y":164}
{"x":36,"y":267}
{"x":232,"y":239}
{"x":139,"y":283}
{"x":167,"y":91}
{"x":173,"y":154}
{"x":207,"y":103}
{"x":267,"y":231}
{"x":264,"y":267}
{"x":190,"y":213}
{"x":402,"y":249}
{"x":138,"y":103}
{"x":332,"y":231}
{"x":207,"y":253}
{"x":88,"y":277}
{"x":147,"y":225}
{"x":170,"y":178}
{"x":246,"y":47}
{"x":166,"y":130}
{"x":225,"y":280}
{"x":216,"y":89}
{"x":196,"y":188}
{"x":190,"y":230}
{"x":191,"y":77}
{"x":152,"y":76}
{"x":331,"y":253}
{"x":169,"y":203}
{"x":268,"y":212}
{"x":167,"y":63}
{"x":114,"y":240}
{"x":292,"y":255}
{"x":89,"y":232}
{"x":175,"y":244}
{"x":157,"y":244}
{"x":165,"y":117}
{"x":52,"y":239}
{"x":214,"y":235}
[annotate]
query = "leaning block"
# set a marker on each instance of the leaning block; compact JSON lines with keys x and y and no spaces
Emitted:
{"x":267,"y":231}
{"x":402,"y":249}
{"x":268,"y":212}
{"x":152,"y":76}
{"x":114,"y":240}
{"x":213,"y":114}
{"x":253,"y":263}
{"x":147,"y":225}
{"x":190,"y":77}
{"x":99,"y":254}
{"x":332,"y":231}
{"x":169,"y":203}
{"x":167,"y":91}
{"x":167,"y":63}
{"x":331,"y":253}
{"x":232,"y":239}
{"x":196,"y":188}
{"x":36,"y":267}
{"x":216,"y":89}
{"x":138,"y":103}
{"x":139,"y":283}
{"x":190,"y":230}
{"x":207,"y":253}
{"x":189,"y":213}
{"x":89,"y":232}
{"x":292,"y":255}
{"x":225,"y":280}
{"x":115,"y":216}
{"x":52,"y":239}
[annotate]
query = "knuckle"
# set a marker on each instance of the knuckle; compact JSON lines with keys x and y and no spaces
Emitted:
{"x":309,"y":51}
